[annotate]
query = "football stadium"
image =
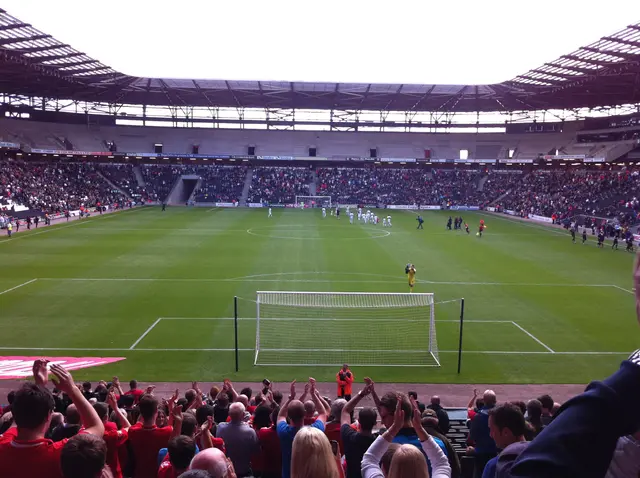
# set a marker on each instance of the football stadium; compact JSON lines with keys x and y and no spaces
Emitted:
{"x":211,"y":235}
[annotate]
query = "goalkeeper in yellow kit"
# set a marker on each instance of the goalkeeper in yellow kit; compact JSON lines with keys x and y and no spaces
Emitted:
{"x":410,"y":270}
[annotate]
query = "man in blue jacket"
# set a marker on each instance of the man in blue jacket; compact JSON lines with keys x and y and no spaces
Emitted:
{"x":481,"y":434}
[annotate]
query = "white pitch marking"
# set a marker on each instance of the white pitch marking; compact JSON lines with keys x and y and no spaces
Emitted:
{"x":145,"y":334}
{"x":623,"y":289}
{"x":18,"y":286}
{"x":534,"y":337}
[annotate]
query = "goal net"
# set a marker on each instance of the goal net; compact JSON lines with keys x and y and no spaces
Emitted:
{"x":314,"y":201}
{"x":333,"y":328}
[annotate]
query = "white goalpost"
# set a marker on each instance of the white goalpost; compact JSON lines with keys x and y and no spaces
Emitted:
{"x":333,"y":328}
{"x":317,"y":201}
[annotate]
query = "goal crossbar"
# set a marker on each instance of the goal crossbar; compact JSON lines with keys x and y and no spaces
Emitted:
{"x":318,"y":200}
{"x":399,"y":328}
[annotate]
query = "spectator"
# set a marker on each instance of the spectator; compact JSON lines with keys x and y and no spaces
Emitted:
{"x":356,"y":443}
{"x":270,"y":451}
{"x":408,"y":461}
{"x":312,"y":457}
{"x":547,"y":408}
{"x":474,"y":405}
{"x":28,"y":453}
{"x":114,"y":438}
{"x":443,"y":416}
{"x":294,"y":410}
{"x":309,"y":412}
{"x":414,"y":396}
{"x":181,"y":450}
{"x":204,"y":414}
{"x":508,"y":427}
{"x":221,"y":408}
{"x":430,"y":424}
{"x":534,"y":414}
{"x":189,"y":428}
{"x":385,"y":462}
{"x":71,"y":425}
{"x":86,"y":391}
{"x":84,"y":456}
{"x":407,"y":434}
{"x":480,"y":433}
{"x":332,"y":427}
{"x":214,"y":462}
{"x":134,"y":391}
{"x":240,"y":440}
{"x":146,"y":439}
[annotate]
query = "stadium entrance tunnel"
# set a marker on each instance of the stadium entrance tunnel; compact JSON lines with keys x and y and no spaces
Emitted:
{"x":184,"y":189}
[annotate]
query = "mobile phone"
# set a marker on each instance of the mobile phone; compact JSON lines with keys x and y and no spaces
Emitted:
{"x":334,"y":447}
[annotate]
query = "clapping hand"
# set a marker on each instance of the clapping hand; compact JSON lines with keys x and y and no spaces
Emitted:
{"x":292,"y":391}
{"x":398,"y":417}
{"x":40,"y":373}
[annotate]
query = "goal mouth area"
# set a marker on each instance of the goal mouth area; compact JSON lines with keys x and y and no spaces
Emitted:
{"x":399,"y":327}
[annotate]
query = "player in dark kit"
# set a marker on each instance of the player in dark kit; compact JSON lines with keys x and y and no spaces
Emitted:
{"x":573,"y":235}
{"x":28,"y":222}
{"x":600,"y":238}
{"x":36,"y":220}
{"x":449,"y":223}
{"x":338,"y":212}
{"x":615,"y":242}
{"x":584,"y":236}
{"x":164,"y":206}
{"x":466,"y":227}
{"x":629,"y":243}
{"x":66,"y":214}
{"x":420,"y":221}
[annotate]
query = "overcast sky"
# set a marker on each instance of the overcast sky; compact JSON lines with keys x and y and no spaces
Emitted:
{"x":399,"y":41}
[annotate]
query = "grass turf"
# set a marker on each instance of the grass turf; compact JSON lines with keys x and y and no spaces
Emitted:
{"x":536,"y":291}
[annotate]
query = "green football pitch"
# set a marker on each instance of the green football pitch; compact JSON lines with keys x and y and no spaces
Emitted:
{"x":158,"y":287}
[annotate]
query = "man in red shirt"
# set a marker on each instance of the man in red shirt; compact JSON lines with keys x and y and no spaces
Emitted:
{"x":146,"y":438}
{"x":29,"y":453}
{"x":113,"y":437}
{"x":134,"y":391}
{"x":181,"y":450}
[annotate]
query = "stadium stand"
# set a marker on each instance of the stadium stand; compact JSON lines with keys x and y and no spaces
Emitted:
{"x":220,"y":183}
{"x":278,"y":185}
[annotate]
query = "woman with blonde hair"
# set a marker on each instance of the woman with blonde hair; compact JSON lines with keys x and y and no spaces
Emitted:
{"x":408,"y":460}
{"x":312,"y":457}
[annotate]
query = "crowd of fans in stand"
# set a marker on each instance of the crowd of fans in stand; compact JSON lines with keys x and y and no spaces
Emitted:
{"x":276,"y":185}
{"x":220,"y":183}
{"x":82,"y":431}
{"x":160,"y":178}
{"x":566,"y":193}
{"x":56,"y":187}
{"x":123,"y":176}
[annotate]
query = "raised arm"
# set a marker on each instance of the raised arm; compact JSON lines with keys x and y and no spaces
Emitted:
{"x":121,"y":417}
{"x":282,"y":414}
{"x":321,"y":405}
{"x":440,"y":467}
{"x":177,"y":421}
{"x":371,"y":459}
{"x":88,"y":416}
{"x":372,"y":386}
{"x":305,"y":394}
{"x":116,"y":384}
{"x":472,"y":402}
{"x":345,"y":416}
{"x":207,"y":438}
{"x":229,"y":387}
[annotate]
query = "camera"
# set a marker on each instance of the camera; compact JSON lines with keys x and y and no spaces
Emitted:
{"x":266,"y":384}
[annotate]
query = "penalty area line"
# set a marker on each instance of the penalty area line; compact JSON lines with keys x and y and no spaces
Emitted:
{"x":534,"y":337}
{"x":18,"y":286}
{"x":623,"y":289}
{"x":145,"y":334}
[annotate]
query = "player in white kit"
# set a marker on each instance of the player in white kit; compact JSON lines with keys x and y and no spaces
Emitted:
{"x":270,"y":213}
{"x":384,"y":222}
{"x":375,"y":219}
{"x":351,"y":217}
{"x":324,"y":212}
{"x":389,"y":221}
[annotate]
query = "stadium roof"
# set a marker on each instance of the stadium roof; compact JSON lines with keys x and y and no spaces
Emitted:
{"x":604,"y":73}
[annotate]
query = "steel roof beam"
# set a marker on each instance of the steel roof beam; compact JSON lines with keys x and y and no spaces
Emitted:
{"x":36,"y":49}
{"x":619,"y":54}
{"x":71,"y":63}
{"x":40,"y":59}
{"x":585,"y":60}
{"x":13,"y":26}
{"x":622,"y":41}
{"x":548,"y":73}
{"x":9,"y":41}
{"x":634,"y":27}
{"x":81,"y":70}
{"x":586,"y":71}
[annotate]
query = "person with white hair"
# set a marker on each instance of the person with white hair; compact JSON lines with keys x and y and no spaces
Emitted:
{"x":480,"y":433}
{"x":240,"y":439}
{"x":214,"y":462}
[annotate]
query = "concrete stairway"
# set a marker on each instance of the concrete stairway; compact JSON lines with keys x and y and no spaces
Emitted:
{"x":247,"y":187}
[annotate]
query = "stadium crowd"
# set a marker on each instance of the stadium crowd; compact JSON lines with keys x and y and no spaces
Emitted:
{"x":123,"y":176}
{"x":55,"y":188}
{"x":278,"y":185}
{"x":86,"y":431}
{"x":220,"y":183}
{"x":610,"y":194}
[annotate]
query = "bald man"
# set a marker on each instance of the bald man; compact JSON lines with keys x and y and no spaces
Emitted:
{"x":212,"y":461}
{"x":240,"y":440}
{"x":480,"y":433}
{"x":295,"y":411}
{"x":443,"y":416}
